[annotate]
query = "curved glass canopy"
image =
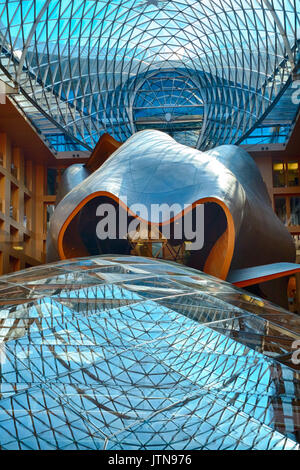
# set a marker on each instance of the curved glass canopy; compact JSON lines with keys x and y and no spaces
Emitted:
{"x":205,"y":72}
{"x":129,"y":353}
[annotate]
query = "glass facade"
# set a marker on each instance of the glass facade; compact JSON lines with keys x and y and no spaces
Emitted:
{"x":206,"y":73}
{"x":132,"y":353}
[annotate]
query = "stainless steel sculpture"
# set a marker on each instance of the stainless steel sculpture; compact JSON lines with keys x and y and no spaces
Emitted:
{"x":240,"y":226}
{"x":204,"y":72}
{"x":131,"y":353}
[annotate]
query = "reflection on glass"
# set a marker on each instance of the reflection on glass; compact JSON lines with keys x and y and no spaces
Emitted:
{"x":280,"y":209}
{"x":49,"y":212}
{"x":104,"y":352}
{"x":157,"y":250}
{"x":51,"y":181}
{"x":279,"y":174}
{"x":295,"y":210}
{"x":293,"y":174}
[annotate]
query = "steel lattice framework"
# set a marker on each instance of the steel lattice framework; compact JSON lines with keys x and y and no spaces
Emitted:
{"x":205,"y":71}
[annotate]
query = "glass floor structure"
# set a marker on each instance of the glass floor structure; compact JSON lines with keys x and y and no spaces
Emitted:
{"x":133,"y":353}
{"x":206,"y":72}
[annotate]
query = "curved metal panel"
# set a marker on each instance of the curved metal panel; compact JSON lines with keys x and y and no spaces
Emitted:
{"x":105,"y":352}
{"x":241,"y":228}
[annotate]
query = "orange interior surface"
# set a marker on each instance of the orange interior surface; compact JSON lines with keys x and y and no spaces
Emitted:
{"x":217,"y":263}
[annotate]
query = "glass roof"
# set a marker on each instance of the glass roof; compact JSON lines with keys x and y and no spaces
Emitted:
{"x":204,"y":71}
{"x":133,"y":353}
